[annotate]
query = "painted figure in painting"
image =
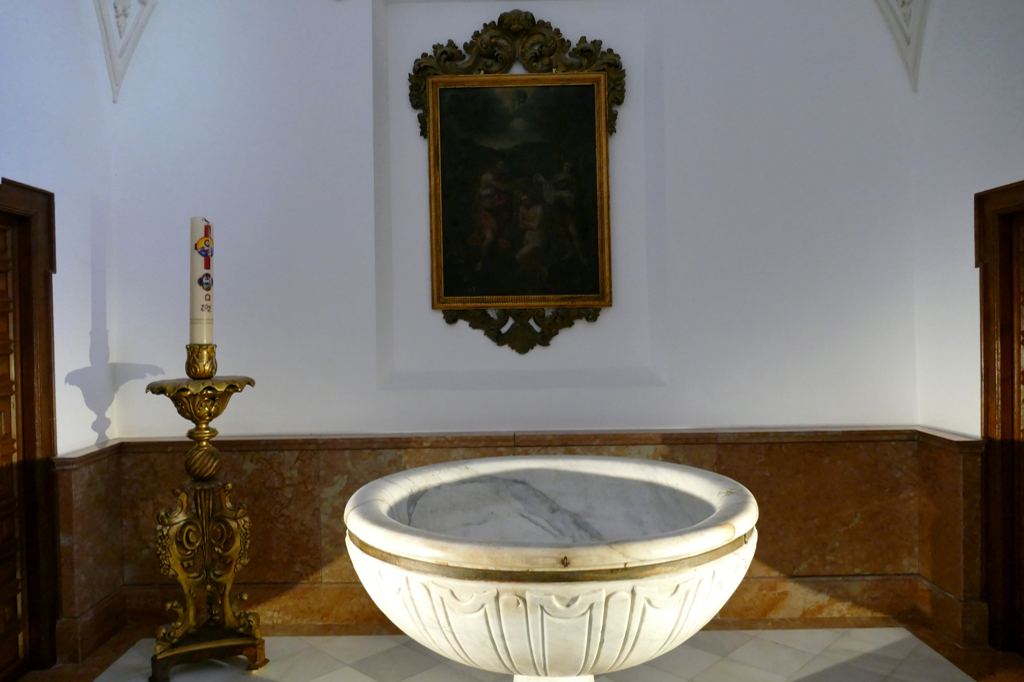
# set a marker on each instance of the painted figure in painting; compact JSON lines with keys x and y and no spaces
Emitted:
{"x":531,"y":222}
{"x":560,"y":197}
{"x":491,"y":210}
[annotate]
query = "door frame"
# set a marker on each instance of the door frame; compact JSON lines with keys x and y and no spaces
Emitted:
{"x":1003,"y":466}
{"x":38,"y":441}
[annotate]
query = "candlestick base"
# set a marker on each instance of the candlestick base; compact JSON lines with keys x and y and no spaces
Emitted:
{"x":204,"y":541}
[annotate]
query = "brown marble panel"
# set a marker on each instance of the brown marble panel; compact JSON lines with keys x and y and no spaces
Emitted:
{"x":277,"y":604}
{"x":702,"y":456}
{"x":418,"y":457}
{"x":342,"y":472}
{"x":66,"y":531}
{"x":830,"y":508}
{"x":322,"y":603}
{"x":972,"y":524}
{"x":817,"y":436}
{"x":818,"y":598}
{"x":145,"y":603}
{"x":87,"y":455}
{"x":941,"y":518}
{"x":554,"y":439}
{"x":79,"y":636}
{"x":96,"y":510}
{"x":155,"y":445}
{"x":147,"y":482}
{"x":801,"y":623}
{"x":255,"y":443}
{"x":281,"y":490}
{"x":657,"y":452}
{"x":965,"y":622}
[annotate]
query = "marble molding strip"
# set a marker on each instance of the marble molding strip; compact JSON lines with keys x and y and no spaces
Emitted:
{"x":949,"y":441}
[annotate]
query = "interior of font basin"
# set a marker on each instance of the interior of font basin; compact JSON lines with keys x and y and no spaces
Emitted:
{"x":543,"y":506}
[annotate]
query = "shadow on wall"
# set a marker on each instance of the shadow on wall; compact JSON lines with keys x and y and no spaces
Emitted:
{"x":100,"y":381}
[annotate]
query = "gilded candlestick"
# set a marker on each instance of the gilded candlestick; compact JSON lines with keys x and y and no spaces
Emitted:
{"x":204,"y":540}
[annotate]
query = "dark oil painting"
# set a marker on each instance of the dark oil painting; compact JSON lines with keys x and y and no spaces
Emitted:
{"x":519,"y":191}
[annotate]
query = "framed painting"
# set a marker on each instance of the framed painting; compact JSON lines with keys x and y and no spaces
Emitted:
{"x":519,"y":211}
{"x":519,"y":214}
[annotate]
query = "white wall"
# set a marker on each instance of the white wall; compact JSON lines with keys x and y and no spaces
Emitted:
{"x":762,"y":238}
{"x":968,"y":124}
{"x":55,"y":135}
{"x":791,"y":225}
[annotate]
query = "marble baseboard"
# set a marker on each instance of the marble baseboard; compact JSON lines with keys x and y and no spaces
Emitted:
{"x":79,"y":636}
{"x":89,"y":518}
{"x":962,"y":621}
{"x":849,"y":520}
{"x":296,"y":604}
{"x":812,"y":598}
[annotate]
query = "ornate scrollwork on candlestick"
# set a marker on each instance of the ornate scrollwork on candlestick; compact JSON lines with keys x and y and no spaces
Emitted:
{"x":204,"y":540}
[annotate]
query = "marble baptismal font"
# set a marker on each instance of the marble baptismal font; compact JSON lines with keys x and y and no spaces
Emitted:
{"x":551,"y":566}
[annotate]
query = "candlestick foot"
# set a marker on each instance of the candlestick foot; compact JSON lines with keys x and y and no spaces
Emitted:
{"x":204,"y":542}
{"x":205,"y":645}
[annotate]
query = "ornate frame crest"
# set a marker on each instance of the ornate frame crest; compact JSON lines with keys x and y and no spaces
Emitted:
{"x":492,"y":51}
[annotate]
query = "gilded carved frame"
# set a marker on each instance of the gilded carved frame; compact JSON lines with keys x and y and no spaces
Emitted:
{"x":525,"y":317}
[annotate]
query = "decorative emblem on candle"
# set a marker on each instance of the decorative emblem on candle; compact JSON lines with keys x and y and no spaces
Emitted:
{"x":201,"y":282}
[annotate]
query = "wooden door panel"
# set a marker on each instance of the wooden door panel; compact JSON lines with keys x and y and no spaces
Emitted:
{"x":999,"y":244}
{"x":13,"y":624}
{"x":29,"y":599}
{"x":12,"y":650}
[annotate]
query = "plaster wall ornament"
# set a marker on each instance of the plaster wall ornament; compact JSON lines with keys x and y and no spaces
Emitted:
{"x":906,"y":22}
{"x":129,"y":17}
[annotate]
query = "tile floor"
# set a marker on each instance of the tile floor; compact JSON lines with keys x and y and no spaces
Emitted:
{"x":838,"y":655}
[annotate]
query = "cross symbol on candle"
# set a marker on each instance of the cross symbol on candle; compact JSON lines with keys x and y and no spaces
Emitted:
{"x":205,"y":247}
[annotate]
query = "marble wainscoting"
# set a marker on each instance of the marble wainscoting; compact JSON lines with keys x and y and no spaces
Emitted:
{"x":857,"y":527}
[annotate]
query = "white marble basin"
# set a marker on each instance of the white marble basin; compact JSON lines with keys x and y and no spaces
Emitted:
{"x":551,"y":566}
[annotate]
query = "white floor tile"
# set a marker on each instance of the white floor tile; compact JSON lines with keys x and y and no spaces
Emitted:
{"x":821,"y":669}
{"x":731,"y":671}
{"x":283,"y":647}
{"x":920,"y":669}
{"x":229,"y":670}
{"x":352,"y":649}
{"x":478,"y":674}
{"x":303,"y":665}
{"x":685,"y":661}
{"x":426,"y":651}
{"x":343,"y":674}
{"x":721,"y":642}
{"x":441,"y":673}
{"x":771,"y":656}
{"x":840,"y":655}
{"x":856,"y":643}
{"x":134,"y":664}
{"x":395,"y":664}
{"x":643,"y":673}
{"x":811,"y":641}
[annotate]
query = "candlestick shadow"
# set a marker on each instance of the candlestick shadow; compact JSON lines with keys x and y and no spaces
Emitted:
{"x":101,"y":380}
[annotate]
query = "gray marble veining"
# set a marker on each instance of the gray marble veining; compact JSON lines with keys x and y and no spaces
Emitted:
{"x":545,"y":507}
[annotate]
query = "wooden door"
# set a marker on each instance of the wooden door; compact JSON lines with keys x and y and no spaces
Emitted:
{"x":28,"y":516}
{"x":999,"y":243}
{"x":13,"y":568}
